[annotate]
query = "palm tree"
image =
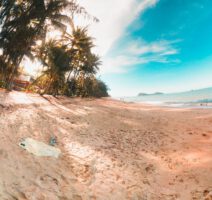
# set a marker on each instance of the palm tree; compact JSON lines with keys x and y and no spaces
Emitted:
{"x":84,"y":62}
{"x":80,"y":45}
{"x":24,"y":22}
{"x":56,"y":61}
{"x":72,"y":55}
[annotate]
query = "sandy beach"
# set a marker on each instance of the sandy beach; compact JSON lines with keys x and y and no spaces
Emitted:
{"x":111,"y":150}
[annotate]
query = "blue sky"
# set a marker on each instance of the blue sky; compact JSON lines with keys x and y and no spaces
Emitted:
{"x":166,"y":46}
{"x":151,"y":45}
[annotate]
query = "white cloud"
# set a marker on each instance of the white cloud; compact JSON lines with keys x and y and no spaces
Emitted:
{"x":162,"y":47}
{"x":119,"y":64}
{"x":140,"y":52}
{"x":114,"y":16}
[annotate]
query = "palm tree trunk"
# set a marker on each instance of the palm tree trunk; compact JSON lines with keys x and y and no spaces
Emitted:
{"x":12,"y":75}
{"x":10,"y":79}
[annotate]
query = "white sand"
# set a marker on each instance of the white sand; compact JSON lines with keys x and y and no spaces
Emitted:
{"x":110,"y":150}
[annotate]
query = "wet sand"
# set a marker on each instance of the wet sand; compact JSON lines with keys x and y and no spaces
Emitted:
{"x":111,"y":150}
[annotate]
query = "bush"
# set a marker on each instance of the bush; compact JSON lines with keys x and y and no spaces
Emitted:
{"x":86,"y":87}
{"x":100,"y":89}
{"x":2,"y":84}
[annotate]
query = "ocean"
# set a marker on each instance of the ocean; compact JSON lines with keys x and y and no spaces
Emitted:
{"x":195,"y":98}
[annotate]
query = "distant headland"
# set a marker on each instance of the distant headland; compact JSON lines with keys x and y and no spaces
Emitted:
{"x":146,"y":94}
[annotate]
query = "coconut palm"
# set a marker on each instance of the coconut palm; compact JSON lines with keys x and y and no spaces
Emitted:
{"x":84,"y":63}
{"x":56,"y":61}
{"x":80,"y":45}
{"x":71,"y":55}
{"x":23,"y":22}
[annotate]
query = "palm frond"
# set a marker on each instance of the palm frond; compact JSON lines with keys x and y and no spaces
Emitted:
{"x":58,"y":25}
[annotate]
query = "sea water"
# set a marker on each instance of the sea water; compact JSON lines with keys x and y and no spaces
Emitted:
{"x":195,"y":98}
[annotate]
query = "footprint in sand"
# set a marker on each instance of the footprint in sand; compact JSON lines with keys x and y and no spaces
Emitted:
{"x":150,"y":168}
{"x":48,"y":182}
{"x":83,"y":172}
{"x":16,"y":193}
{"x":77,"y":197}
{"x":169,"y":197}
{"x":202,"y":195}
{"x":207,"y":195}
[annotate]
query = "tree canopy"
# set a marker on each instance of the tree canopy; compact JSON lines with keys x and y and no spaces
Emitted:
{"x":65,"y":61}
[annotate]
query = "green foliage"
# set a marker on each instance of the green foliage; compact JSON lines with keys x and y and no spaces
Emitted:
{"x":56,"y":61}
{"x":69,"y":65}
{"x":86,"y":87}
{"x":24,"y":22}
{"x":2,"y":84}
{"x":100,"y":89}
{"x":6,"y":68}
{"x":80,"y":46}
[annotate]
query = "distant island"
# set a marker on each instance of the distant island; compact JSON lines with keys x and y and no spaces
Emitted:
{"x":146,"y":94}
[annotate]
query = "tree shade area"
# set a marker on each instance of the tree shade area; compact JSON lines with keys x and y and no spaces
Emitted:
{"x":69,"y":65}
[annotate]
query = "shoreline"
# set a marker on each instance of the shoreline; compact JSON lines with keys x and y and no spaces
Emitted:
{"x":190,"y":105}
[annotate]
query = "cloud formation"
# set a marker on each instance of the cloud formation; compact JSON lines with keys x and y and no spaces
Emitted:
{"x":140,"y":52}
{"x":114,"y":16}
{"x":161,"y":48}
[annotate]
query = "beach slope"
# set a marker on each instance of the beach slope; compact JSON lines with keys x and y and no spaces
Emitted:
{"x":111,"y":150}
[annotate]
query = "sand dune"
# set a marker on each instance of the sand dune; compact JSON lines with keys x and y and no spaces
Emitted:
{"x":111,"y":150}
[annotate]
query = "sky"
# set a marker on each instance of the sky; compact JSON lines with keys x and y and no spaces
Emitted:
{"x":149,"y":46}
{"x":152,"y":45}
